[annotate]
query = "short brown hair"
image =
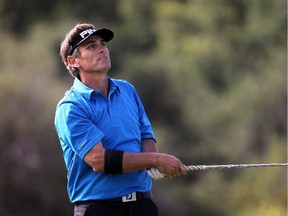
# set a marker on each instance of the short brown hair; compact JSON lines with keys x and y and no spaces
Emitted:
{"x":65,"y":46}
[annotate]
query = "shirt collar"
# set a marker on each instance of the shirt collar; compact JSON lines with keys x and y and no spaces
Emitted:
{"x":113,"y":86}
{"x":86,"y":91}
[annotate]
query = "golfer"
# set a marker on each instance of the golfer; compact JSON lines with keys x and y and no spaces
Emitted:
{"x":105,"y":134}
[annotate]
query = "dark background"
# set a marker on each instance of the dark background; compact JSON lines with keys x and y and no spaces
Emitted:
{"x":212,"y":76}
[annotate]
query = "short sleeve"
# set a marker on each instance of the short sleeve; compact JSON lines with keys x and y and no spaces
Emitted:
{"x":75,"y":128}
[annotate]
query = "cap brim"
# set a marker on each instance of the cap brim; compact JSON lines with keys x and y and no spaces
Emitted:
{"x":104,"y":33}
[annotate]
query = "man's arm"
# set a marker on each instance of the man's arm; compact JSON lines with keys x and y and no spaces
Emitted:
{"x":166,"y":164}
{"x":149,"y":145}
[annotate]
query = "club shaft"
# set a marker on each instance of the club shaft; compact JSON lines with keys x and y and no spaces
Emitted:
{"x":229,"y":166}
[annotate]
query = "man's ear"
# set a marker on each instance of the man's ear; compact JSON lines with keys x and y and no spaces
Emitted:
{"x":72,"y":61}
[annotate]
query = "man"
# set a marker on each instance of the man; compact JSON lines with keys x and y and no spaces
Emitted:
{"x":106,"y":137}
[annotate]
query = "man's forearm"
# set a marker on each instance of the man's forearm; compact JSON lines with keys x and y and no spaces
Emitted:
{"x":166,"y":164}
{"x":138,"y":161}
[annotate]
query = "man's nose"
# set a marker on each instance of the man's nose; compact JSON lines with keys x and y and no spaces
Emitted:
{"x":101,"y":49}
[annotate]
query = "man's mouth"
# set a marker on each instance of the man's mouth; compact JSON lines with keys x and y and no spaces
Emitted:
{"x":103,"y":58}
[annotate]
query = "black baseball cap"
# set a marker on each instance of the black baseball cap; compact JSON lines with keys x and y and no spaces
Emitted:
{"x":106,"y":34}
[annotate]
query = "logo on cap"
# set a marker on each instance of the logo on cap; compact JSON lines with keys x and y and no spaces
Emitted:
{"x":84,"y":33}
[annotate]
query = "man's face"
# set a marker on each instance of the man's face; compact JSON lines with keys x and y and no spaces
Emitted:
{"x":94,"y":56}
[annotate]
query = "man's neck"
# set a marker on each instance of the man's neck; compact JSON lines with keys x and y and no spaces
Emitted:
{"x":97,"y":82}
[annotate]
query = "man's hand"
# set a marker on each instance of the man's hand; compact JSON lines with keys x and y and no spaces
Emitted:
{"x":167,"y":166}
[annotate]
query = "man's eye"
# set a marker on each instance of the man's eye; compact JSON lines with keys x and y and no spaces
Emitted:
{"x":92,"y":46}
{"x":96,"y":45}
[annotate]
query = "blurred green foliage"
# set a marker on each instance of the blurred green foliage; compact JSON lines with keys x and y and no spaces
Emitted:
{"x":212,"y":76}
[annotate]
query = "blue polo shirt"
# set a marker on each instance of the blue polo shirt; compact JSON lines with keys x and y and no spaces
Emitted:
{"x":83,"y":118}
